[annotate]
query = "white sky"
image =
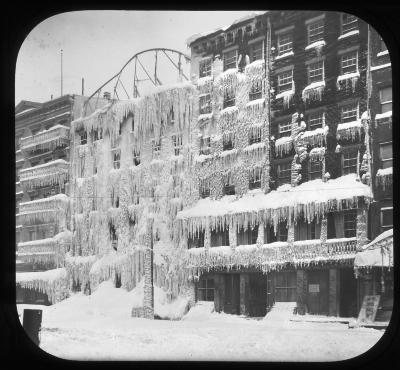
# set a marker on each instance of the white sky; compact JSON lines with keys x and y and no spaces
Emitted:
{"x":96,"y":44}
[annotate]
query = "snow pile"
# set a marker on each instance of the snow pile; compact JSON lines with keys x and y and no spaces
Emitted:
{"x":349,"y":130}
{"x":283,"y":145}
{"x":348,"y":79}
{"x":313,"y":91}
{"x":201,"y":311}
{"x":384,"y":177}
{"x":315,"y":137}
{"x":310,"y":200}
{"x":51,"y":282}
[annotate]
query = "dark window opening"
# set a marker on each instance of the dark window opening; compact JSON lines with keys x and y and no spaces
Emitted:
{"x":256,"y":90}
{"x":205,"y":290}
{"x":227,"y":143}
{"x":205,"y":104}
{"x":136,"y":157}
{"x":83,"y":137}
{"x":350,"y":162}
{"x":205,"y":145}
{"x":315,"y":169}
{"x":229,"y":100}
{"x":255,"y":179}
{"x":350,"y":223}
{"x":196,"y":241}
{"x":284,"y":173}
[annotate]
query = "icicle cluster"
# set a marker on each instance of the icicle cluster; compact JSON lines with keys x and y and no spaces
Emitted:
{"x":384,"y":177}
{"x":349,"y":130}
{"x":348,"y":80}
{"x":283,"y":145}
{"x":313,"y":91}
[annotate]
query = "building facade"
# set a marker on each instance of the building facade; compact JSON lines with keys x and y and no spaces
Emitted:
{"x":256,"y":182}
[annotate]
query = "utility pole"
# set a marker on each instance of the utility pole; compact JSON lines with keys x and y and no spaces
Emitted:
{"x":61,"y":72}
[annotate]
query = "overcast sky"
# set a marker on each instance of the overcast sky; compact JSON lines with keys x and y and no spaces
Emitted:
{"x":96,"y":44}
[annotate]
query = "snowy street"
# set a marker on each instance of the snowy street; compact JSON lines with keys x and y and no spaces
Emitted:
{"x":99,"y":327}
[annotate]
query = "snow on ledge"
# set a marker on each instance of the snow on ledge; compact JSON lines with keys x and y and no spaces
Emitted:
{"x":284,"y":55}
{"x":286,"y":95}
{"x":283,"y":145}
{"x":347,"y":76}
{"x":229,"y":110}
{"x":348,"y":34}
{"x":313,"y":90}
{"x":204,"y":116}
{"x":380,"y":116}
{"x":382,"y":53}
{"x":316,"y":44}
{"x":385,"y":171}
{"x":349,"y":130}
{"x":375,"y":68}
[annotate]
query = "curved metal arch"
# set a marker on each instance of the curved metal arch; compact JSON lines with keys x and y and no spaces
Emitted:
{"x":135,"y":56}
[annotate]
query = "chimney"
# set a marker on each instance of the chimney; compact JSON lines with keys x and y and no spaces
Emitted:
{"x":107,"y":95}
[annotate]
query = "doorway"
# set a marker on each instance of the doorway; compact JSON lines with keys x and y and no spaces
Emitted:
{"x":317,"y":292}
{"x":348,"y":293}
{"x":257,"y":295}
{"x":232,"y":294}
{"x":285,"y":286}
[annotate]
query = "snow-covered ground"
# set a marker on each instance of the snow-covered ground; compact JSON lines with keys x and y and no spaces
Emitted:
{"x":99,"y":327}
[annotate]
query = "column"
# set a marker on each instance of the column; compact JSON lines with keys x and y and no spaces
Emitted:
{"x":333,"y":292}
{"x":244,"y":294}
{"x":148,"y":299}
{"x":301,"y":276}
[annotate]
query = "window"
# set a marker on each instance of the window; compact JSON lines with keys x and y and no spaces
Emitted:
{"x":204,"y":188}
{"x":282,"y":232}
{"x":94,"y":165}
{"x":256,"y":51}
{"x":386,"y":218}
{"x":205,"y":290}
{"x":315,"y":170}
{"x":386,"y":154}
{"x":177,"y":143}
{"x":32,"y":235}
{"x":315,"y":120}
{"x":385,"y":96}
{"x":285,"y":129}
{"x":136,"y":157}
{"x":284,"y":173}
{"x":255,"y":178}
{"x":156,"y":147}
{"x":349,"y":113}
{"x":315,"y":72}
{"x":312,"y":229}
{"x":205,"y":104}
{"x":113,"y":235}
{"x":229,"y":188}
{"x":227,"y":142}
{"x":255,"y":90}
{"x":315,"y":31}
{"x":285,"y":81}
{"x":349,"y":23}
{"x":350,"y":162}
{"x":83,"y":137}
{"x":230,"y":59}
{"x":350,"y":223}
{"x":248,"y":236}
{"x":205,"y":145}
{"x":97,"y":134}
{"x":196,"y":241}
{"x":255,"y":135}
{"x":285,"y":43}
{"x":229,"y":38}
{"x":348,"y":62}
{"x":229,"y":99}
{"x":205,"y":68}
{"x":225,"y":237}
{"x":116,"y":156}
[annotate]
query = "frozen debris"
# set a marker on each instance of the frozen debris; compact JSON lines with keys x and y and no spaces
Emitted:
{"x":349,"y":130}
{"x":348,"y":79}
{"x":316,"y":45}
{"x":348,"y":34}
{"x":384,"y":177}
{"x":310,"y":200}
{"x":283,"y":145}
{"x":313,"y":91}
{"x":54,"y":283}
{"x":287,"y":96}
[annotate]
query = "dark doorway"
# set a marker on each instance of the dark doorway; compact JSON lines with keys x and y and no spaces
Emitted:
{"x":232,"y":294}
{"x":318,"y":292}
{"x":285,"y":286}
{"x":348,"y":293}
{"x":257,"y":295}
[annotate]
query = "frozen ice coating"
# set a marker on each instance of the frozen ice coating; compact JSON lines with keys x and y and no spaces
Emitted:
{"x":349,"y":130}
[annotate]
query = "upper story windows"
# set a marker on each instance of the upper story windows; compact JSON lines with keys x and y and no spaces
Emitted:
{"x":205,"y":104}
{"x":315,"y":31}
{"x":227,"y":142}
{"x":136,"y":157}
{"x":256,"y":51}
{"x":348,"y":22}
{"x":386,"y":218}
{"x":205,"y":68}
{"x":315,"y":169}
{"x":177,"y":143}
{"x":315,"y":72}
{"x":349,"y":62}
{"x":97,"y":134}
{"x":254,"y":135}
{"x":255,"y":178}
{"x":385,"y":96}
{"x":229,"y":99}
{"x":83,"y":137}
{"x":230,"y":58}
{"x":229,"y":187}
{"x":349,"y":113}
{"x":315,"y":120}
{"x":256,"y":90}
{"x":285,"y":129}
{"x":285,"y":43}
{"x":205,"y":145}
{"x":285,"y":81}
{"x":116,"y":158}
{"x":156,"y":143}
{"x":350,"y":161}
{"x":386,"y":154}
{"x":284,"y":173}
{"x":350,"y":223}
{"x":204,"y":188}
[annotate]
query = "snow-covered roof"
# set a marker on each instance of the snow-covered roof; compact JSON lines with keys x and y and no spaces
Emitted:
{"x":310,"y":199}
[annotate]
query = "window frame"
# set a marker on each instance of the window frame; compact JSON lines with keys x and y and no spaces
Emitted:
{"x":319,"y":36}
{"x":283,"y":76}
{"x":288,"y":170}
{"x":254,"y":135}
{"x":345,"y":161}
{"x":135,"y":157}
{"x":288,"y":34}
{"x":312,"y":172}
{"x":204,"y":292}
{"x":282,"y":232}
{"x":205,"y":149}
{"x":116,"y":162}
{"x":344,"y":30}
{"x":232,"y":59}
{"x":205,"y":67}
{"x":229,"y":100}
{"x":348,"y":232}
{"x":205,"y":107}
{"x":386,"y":227}
{"x":383,"y":103}
{"x":311,"y":117}
{"x":255,"y":178}
{"x":156,"y":147}
{"x":204,"y":188}
{"x":386,"y":160}
{"x":252,"y":48}
{"x":344,"y":58}
{"x":284,"y":132}
{"x":347,"y":119}
{"x":177,"y":143}
{"x":310,"y":70}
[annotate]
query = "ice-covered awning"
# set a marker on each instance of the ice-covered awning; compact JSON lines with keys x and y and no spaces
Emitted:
{"x":378,"y":253}
{"x":309,"y":200}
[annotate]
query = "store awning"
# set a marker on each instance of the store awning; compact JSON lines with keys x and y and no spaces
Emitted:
{"x":378,"y":253}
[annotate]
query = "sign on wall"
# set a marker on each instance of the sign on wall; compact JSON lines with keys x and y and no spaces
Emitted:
{"x":313,"y":288}
{"x":368,"y":309}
